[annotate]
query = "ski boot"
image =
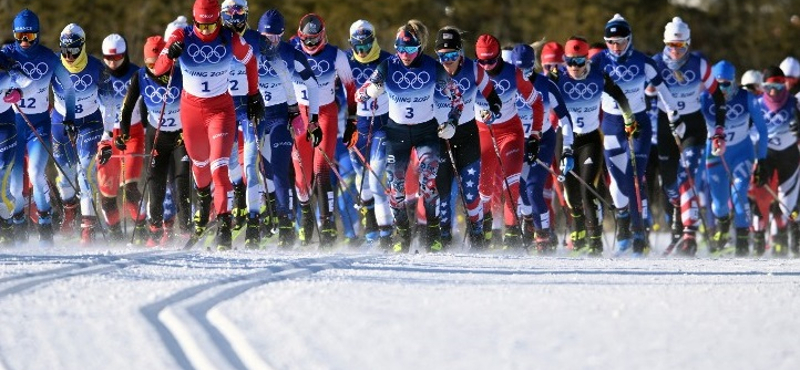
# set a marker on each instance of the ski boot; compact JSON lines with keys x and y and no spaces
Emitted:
{"x":169,"y":232}
{"x":487,"y":229}
{"x":512,"y":238}
{"x":595,"y":243}
{"x":433,"y":238}
{"x":252,"y":235}
{"x":223,"y":239}
{"x":240,"y":208}
{"x":640,"y":244}
{"x":154,"y":235}
{"x":794,"y":228}
{"x":780,"y":243}
{"x":6,"y":233}
{"x":45,"y":228}
{"x":528,"y":231}
{"x":544,"y":243}
{"x":721,"y":236}
{"x":624,"y":235}
{"x":759,"y":242}
{"x":20,"y":228}
{"x":402,"y":241}
{"x":306,"y":224}
{"x":88,"y":224}
{"x":328,"y":232}
{"x":688,"y":244}
{"x":69,"y":217}
{"x":385,"y":237}
{"x":676,"y":230}
{"x":286,"y":232}
{"x":140,"y":232}
{"x":476,"y":238}
{"x":742,"y":242}
{"x":115,"y":232}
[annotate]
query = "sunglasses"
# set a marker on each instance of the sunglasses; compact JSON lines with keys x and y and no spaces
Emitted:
{"x":487,"y":62}
{"x":114,"y":57}
{"x":677,"y":44}
{"x":575,"y":61}
{"x":724,"y":84}
{"x":407,"y":49}
{"x":362,"y":48}
{"x":25,"y":36}
{"x":211,"y":27}
{"x":617,"y":40}
{"x":774,"y":86}
{"x":70,"y":52}
{"x":236,"y":10}
{"x":449,"y":56}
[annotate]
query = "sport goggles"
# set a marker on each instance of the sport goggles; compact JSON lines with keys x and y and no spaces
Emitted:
{"x":617,"y":40}
{"x":73,"y":52}
{"x":114,"y":57}
{"x":211,"y":27}
{"x":724,"y":84}
{"x":575,"y":61}
{"x":774,"y":86}
{"x":235,"y":10}
{"x":362,"y":48}
{"x":677,"y":44}
{"x":25,"y":36}
{"x":449,"y":56}
{"x":311,"y":40}
{"x":407,"y":49}
{"x":487,"y":62}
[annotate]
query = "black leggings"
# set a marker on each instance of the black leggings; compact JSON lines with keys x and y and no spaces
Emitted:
{"x":588,"y":157}
{"x":171,"y":159}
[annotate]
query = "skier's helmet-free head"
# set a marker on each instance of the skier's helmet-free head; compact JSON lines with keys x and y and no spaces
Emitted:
{"x":311,"y":33}
{"x":72,"y":41}
{"x":234,"y":14}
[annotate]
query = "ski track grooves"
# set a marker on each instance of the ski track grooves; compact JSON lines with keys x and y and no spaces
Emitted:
{"x":94,"y":264}
{"x":200,"y":337}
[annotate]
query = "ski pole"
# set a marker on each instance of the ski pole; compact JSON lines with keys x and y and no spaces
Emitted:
{"x":460,"y":188}
{"x":580,"y":180}
{"x":91,"y":193}
{"x":369,"y":167}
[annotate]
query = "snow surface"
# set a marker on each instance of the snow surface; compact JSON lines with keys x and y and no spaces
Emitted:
{"x":135,"y":308}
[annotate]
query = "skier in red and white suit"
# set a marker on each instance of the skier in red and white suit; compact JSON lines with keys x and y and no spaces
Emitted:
{"x":204,"y":51}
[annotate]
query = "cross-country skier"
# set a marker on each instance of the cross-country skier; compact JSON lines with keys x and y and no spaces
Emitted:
{"x":410,"y":79}
{"x":625,"y":134}
{"x":730,"y":156}
{"x":46,"y":71}
{"x":10,"y":83}
{"x":205,"y":51}
{"x":464,"y":145}
{"x":116,"y":148}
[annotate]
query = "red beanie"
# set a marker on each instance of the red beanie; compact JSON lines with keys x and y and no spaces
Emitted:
{"x":487,"y":47}
{"x":206,"y":11}
{"x":153,"y":46}
{"x":577,"y":47}
{"x":552,"y":53}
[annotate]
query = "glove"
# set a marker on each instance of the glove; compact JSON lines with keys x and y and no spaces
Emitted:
{"x":13,"y":96}
{"x":487,"y":116}
{"x":6,"y":62}
{"x":255,"y":107}
{"x":760,"y":174}
{"x":120,"y":140}
{"x":447,"y":130}
{"x":350,"y":137}
{"x":313,"y":132}
{"x":567,"y":163}
{"x":103,"y":151}
{"x":532,"y":148}
{"x":179,"y":140}
{"x":793,"y":126}
{"x":676,"y":125}
{"x":295,"y":122}
{"x":72,"y":131}
{"x":631,"y":126}
{"x":718,"y":141}
{"x":175,"y":50}
{"x":495,"y":109}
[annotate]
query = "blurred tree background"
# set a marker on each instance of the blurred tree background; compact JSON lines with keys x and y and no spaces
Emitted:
{"x":750,"y":33}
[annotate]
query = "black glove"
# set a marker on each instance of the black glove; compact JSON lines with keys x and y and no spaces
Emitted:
{"x":255,"y":107}
{"x":72,"y":131}
{"x":313,"y":132}
{"x":350,"y":137}
{"x":175,"y":50}
{"x":6,"y":62}
{"x":495,"y":108}
{"x":103,"y":151}
{"x":532,"y":149}
{"x":120,"y":140}
{"x":760,"y":176}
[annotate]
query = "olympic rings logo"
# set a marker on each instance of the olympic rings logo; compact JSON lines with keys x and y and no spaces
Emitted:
{"x":34,"y":71}
{"x":581,"y":90}
{"x":678,"y":77}
{"x":777,"y":118}
{"x":520,"y":102}
{"x":265,"y":68}
{"x":362,"y":75}
{"x":206,"y":53}
{"x":411,"y":79}
{"x":734,"y":111}
{"x":120,"y":87}
{"x":81,"y":83}
{"x":156,"y":94}
{"x":502,"y":86}
{"x":623,"y":73}
{"x":463,"y":84}
{"x":319,"y":67}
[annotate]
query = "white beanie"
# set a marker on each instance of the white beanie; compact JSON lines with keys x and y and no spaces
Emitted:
{"x":179,"y":22}
{"x":790,"y":67}
{"x":677,"y":30}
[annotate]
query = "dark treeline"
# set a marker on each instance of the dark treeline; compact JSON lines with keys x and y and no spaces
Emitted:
{"x":750,"y":33}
